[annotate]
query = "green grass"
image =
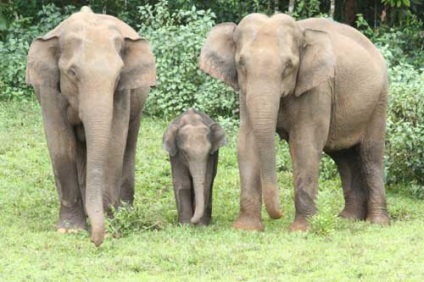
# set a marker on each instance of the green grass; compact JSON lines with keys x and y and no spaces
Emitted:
{"x":145,"y":243}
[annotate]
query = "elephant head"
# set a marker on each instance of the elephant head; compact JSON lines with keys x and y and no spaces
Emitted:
{"x":267,"y":59}
{"x":93,"y":61}
{"x":194,"y":138}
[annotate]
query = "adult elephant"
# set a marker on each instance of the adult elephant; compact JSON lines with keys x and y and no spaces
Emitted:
{"x":91,"y":75}
{"x":322,"y":86}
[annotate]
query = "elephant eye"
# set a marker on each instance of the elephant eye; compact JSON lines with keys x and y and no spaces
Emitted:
{"x":241,"y":63}
{"x":72,"y":72}
{"x":288,"y":66}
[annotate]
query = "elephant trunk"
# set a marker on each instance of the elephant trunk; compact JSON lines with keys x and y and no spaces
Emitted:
{"x":198,"y":172}
{"x":96,"y":114}
{"x":263,"y":113}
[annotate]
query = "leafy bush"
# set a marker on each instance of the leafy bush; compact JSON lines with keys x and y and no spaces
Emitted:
{"x":127,"y":219}
{"x":405,"y":126}
{"x":14,"y":50}
{"x":176,"y":38}
{"x":399,"y":44}
{"x":324,"y":222}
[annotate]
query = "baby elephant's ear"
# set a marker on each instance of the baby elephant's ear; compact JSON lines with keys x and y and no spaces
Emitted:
{"x":169,"y":141}
{"x":217,"y":137}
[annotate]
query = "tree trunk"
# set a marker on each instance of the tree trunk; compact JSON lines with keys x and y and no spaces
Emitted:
{"x":291,"y":7}
{"x":349,"y":12}
{"x":332,"y":8}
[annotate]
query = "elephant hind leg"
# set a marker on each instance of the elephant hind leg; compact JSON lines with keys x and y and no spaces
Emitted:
{"x":354,"y":188}
{"x":371,"y":151}
{"x":128,"y":172}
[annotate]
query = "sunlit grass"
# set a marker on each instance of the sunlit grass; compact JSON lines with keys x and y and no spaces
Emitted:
{"x":146,"y":243}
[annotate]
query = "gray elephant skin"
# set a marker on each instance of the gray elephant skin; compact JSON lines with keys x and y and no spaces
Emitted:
{"x":322,"y":86}
{"x":91,"y":75}
{"x":193,"y":140}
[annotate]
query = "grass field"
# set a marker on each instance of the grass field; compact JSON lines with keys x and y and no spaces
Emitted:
{"x":145,"y":244}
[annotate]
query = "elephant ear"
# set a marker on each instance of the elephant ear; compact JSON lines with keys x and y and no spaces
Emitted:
{"x":169,"y":141}
{"x":216,"y":137}
{"x":139,"y":64}
{"x":42,"y":63}
{"x":317,"y":61}
{"x":217,"y":57}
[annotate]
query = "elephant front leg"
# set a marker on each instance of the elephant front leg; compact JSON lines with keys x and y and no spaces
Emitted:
{"x":210,"y":176}
{"x":183,"y":190}
{"x":61,"y":143}
{"x":250,"y":198}
{"x":305,"y":159}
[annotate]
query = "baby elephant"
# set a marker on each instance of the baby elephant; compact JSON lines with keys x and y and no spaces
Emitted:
{"x":192,"y":141}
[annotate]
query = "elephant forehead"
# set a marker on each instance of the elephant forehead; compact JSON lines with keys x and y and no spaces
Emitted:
{"x":197,"y":131}
{"x":277,"y":31}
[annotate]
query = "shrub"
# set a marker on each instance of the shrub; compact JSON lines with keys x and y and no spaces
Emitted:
{"x":324,"y":222}
{"x":176,"y":38}
{"x":14,"y":50}
{"x":127,"y":219}
{"x":405,"y":127}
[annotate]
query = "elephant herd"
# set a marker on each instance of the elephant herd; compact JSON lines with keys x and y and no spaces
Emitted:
{"x":320,"y":85}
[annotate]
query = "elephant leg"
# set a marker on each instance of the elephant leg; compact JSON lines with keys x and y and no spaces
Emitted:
{"x":138,"y":98}
{"x":210,"y":177}
{"x":251,"y":190}
{"x":305,"y":159}
{"x":61,"y":142}
{"x":128,"y":173}
{"x":183,"y":190}
{"x":354,"y":189}
{"x":371,"y":151}
{"x":117,"y":146}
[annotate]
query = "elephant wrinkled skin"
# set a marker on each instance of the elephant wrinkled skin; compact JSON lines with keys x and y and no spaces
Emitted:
{"x":193,"y":140}
{"x":322,"y":86}
{"x":91,"y":75}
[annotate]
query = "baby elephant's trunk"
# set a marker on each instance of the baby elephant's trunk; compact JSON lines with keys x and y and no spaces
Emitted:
{"x":198,"y":172}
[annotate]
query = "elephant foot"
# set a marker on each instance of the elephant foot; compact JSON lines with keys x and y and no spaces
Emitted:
{"x":248,"y":223}
{"x":65,"y":226}
{"x":70,"y":230}
{"x":380,"y":219}
{"x":352,"y":214}
{"x":299,"y":225}
{"x":204,"y":222}
{"x":72,"y":218}
{"x":71,"y":226}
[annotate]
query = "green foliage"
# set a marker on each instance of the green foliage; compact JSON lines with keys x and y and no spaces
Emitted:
{"x":127,"y":219}
{"x":177,"y":37}
{"x":14,"y":50}
{"x":405,"y":127}
{"x":324,"y":222}
{"x":307,"y":9}
{"x":404,"y":43}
